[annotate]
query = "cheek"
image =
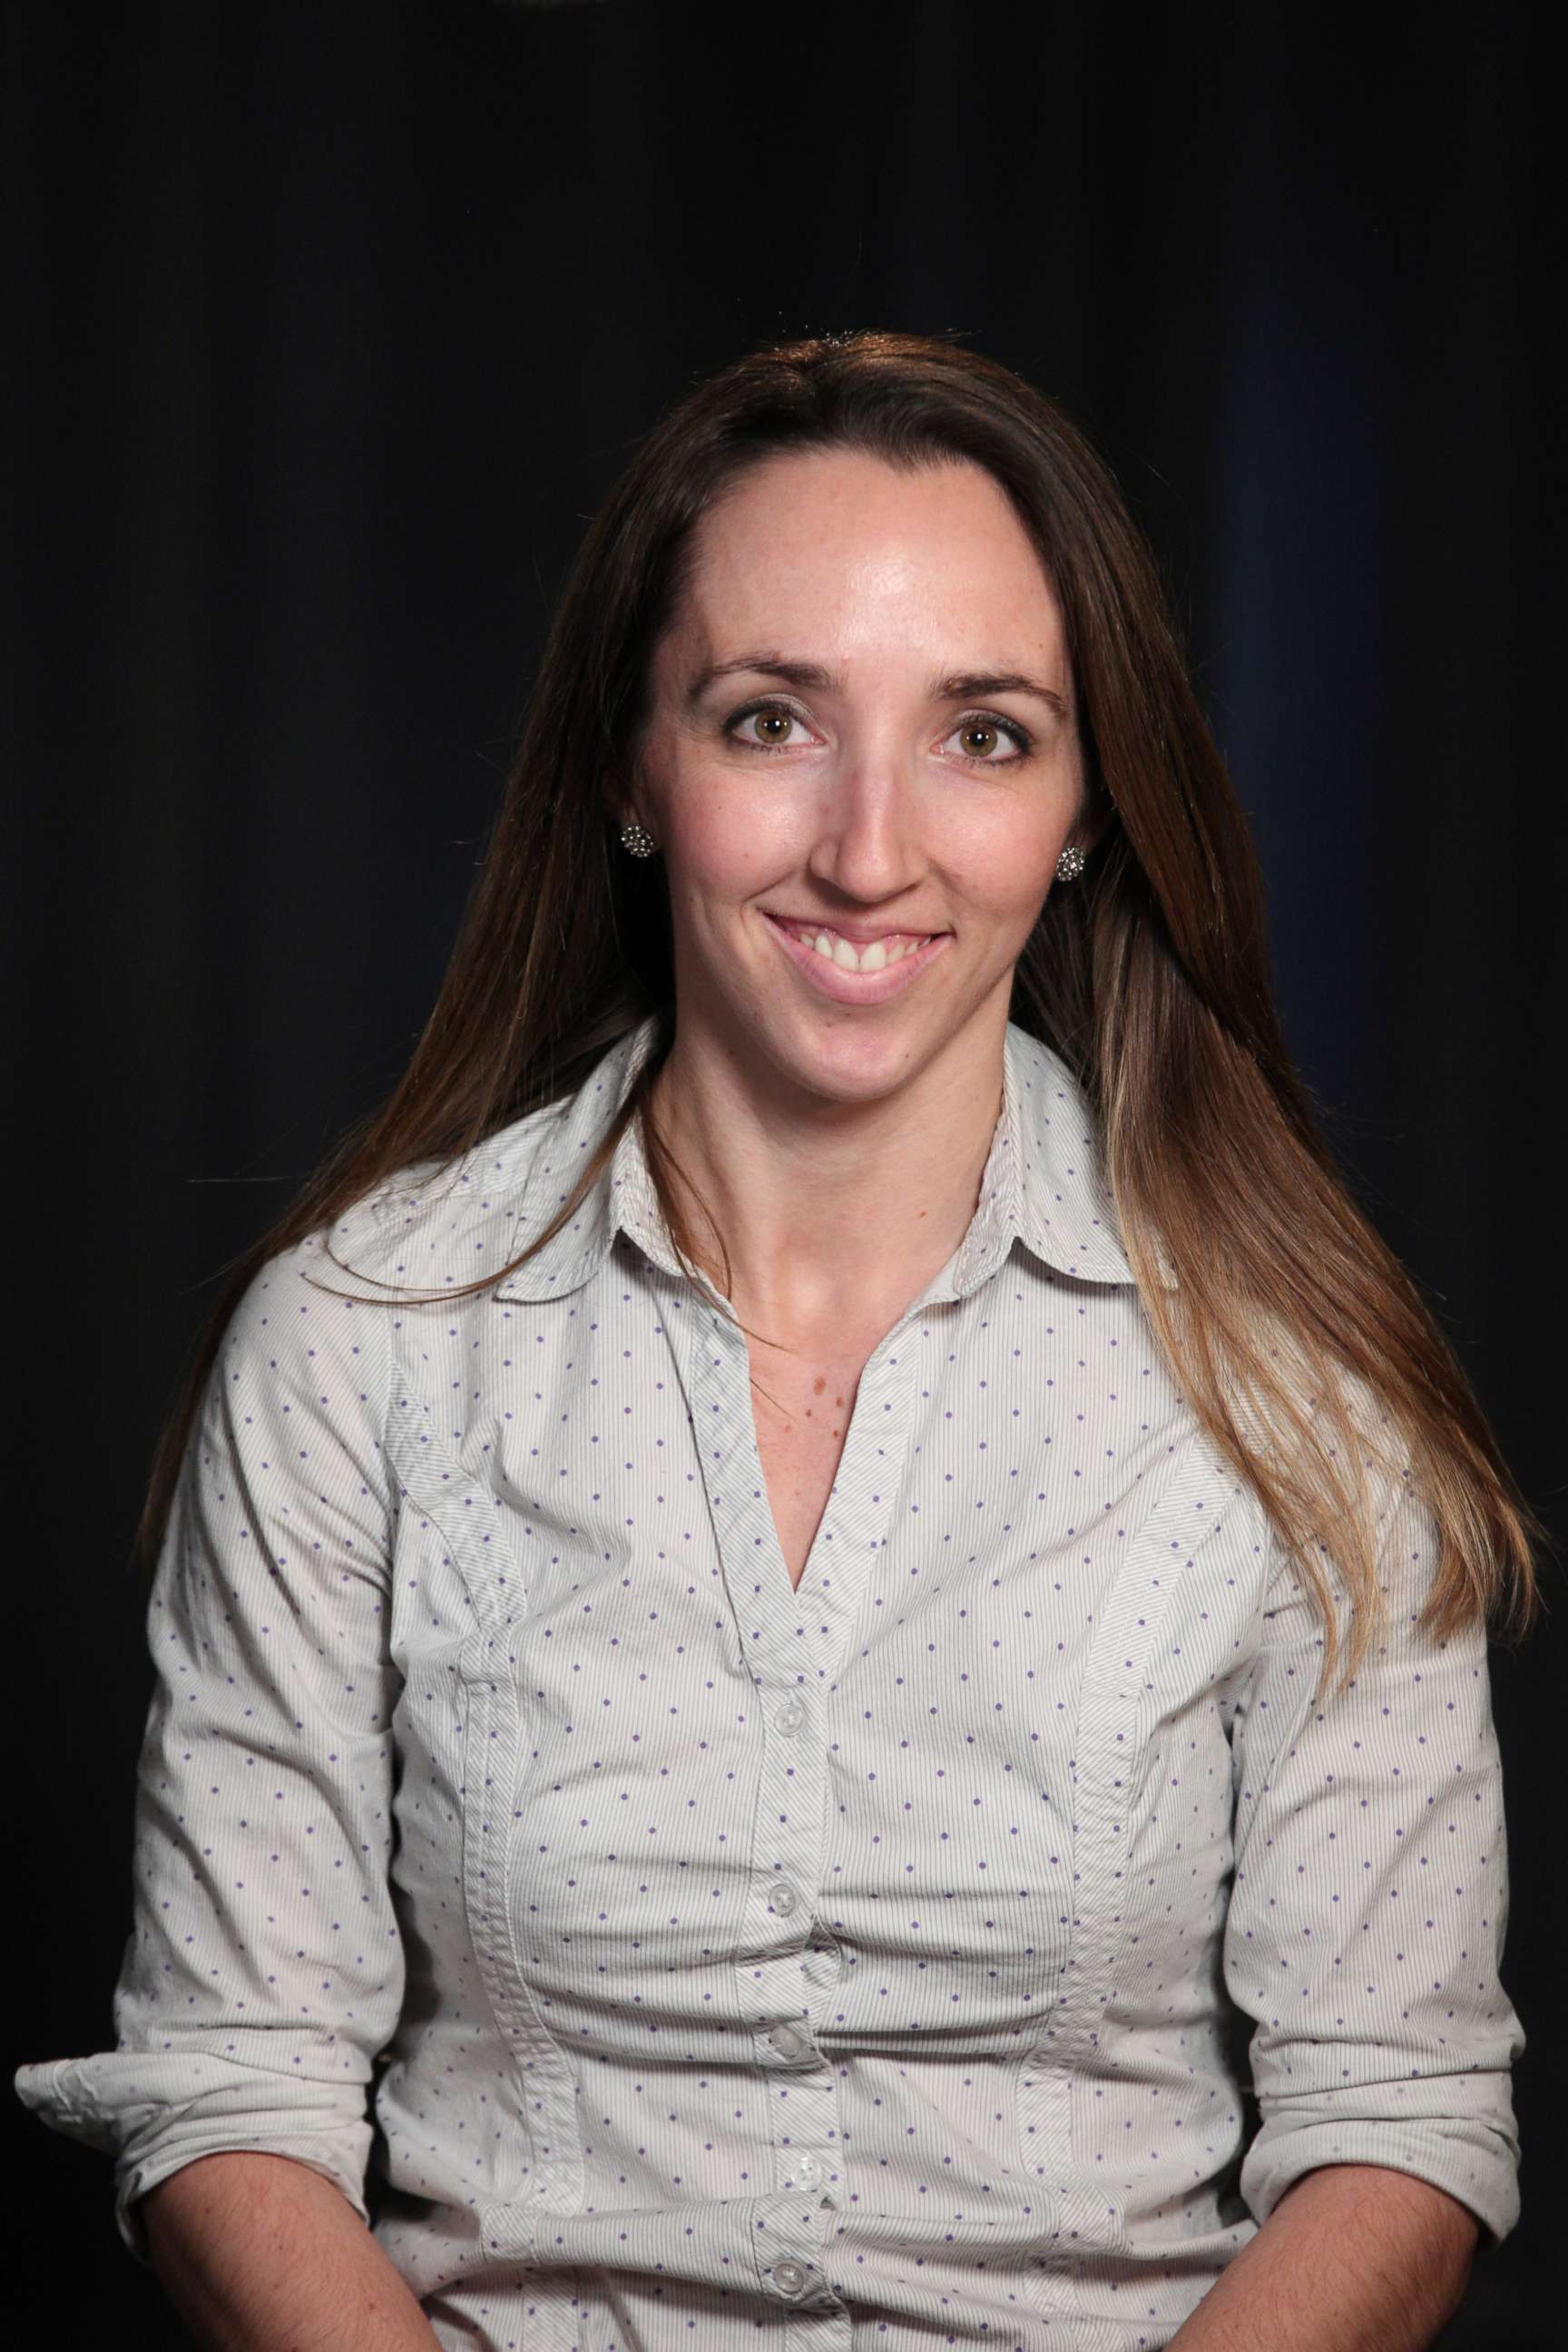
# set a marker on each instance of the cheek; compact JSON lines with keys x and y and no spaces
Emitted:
{"x":725,"y":850}
{"x":1000,"y":857}
{"x":727,"y":842}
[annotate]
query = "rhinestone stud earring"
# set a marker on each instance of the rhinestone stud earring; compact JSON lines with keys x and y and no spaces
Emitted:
{"x":1071,"y":863}
{"x":637,"y":839}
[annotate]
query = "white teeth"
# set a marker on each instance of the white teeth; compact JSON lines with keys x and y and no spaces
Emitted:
{"x":874,"y":957}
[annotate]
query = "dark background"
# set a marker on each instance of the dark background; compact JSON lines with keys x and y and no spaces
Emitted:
{"x":329,"y":326}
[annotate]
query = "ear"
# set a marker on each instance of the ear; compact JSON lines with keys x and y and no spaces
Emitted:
{"x":1092,"y":823}
{"x":624,"y":801}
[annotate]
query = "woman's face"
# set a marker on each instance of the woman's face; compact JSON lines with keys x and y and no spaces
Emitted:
{"x":891,"y":755}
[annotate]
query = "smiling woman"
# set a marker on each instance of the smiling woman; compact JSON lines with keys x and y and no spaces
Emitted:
{"x":876,"y":809}
{"x":880,"y":1557}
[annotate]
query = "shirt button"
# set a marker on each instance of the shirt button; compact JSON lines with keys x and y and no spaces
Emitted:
{"x":789,"y":2277}
{"x":790,"y":1716}
{"x":782,"y":1897}
{"x":786,"y":2040}
{"x":807,"y":2171}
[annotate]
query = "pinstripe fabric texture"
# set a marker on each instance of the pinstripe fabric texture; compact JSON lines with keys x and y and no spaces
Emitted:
{"x":879,"y":1964}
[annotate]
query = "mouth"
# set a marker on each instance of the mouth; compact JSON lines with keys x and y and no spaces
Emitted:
{"x":867,"y":972}
{"x":865,"y":951}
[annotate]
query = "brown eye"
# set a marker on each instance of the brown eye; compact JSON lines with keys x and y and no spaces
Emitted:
{"x":980,"y":739}
{"x":771,"y":718}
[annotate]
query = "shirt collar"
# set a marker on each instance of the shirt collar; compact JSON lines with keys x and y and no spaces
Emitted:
{"x":1042,"y":1183}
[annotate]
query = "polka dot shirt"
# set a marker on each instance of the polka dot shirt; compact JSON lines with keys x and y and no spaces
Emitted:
{"x":967,"y":1947}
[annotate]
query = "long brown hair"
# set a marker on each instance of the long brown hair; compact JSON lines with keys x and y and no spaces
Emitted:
{"x":1290,"y":1325}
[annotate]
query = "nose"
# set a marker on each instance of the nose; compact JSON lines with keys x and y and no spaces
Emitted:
{"x":866,"y":845}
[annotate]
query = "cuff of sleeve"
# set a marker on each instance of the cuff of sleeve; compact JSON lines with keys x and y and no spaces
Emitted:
{"x":1472,"y":2160}
{"x":157,"y":2112}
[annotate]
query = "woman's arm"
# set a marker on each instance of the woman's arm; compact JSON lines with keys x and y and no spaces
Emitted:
{"x":1369,"y":1903}
{"x":1353,"y":2256}
{"x":255,"y":2251}
{"x":264,"y":1971}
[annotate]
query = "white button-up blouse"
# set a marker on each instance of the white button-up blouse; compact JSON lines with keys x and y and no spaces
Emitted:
{"x":891,"y":1961}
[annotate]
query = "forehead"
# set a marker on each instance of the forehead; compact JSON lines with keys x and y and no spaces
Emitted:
{"x":830,"y":547}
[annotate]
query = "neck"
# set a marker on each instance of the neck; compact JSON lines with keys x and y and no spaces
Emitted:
{"x":834,"y":1214}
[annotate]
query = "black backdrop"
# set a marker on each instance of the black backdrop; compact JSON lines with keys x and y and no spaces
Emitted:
{"x":329,"y":325}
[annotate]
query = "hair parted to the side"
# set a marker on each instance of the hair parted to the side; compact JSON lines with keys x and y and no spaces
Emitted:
{"x":1149,"y":975}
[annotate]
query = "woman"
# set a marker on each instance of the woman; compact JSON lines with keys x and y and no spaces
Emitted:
{"x":878,"y":1567}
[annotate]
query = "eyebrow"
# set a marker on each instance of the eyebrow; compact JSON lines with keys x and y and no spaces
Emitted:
{"x":960,"y":685}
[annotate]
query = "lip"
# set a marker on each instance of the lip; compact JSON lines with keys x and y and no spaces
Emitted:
{"x":843,"y":987}
{"x":860,"y":935}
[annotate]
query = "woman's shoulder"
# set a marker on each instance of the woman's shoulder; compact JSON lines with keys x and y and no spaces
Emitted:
{"x":512,"y":1178}
{"x":430,"y":1225}
{"x":437,"y":1224}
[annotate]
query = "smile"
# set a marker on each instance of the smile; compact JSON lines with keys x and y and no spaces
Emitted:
{"x":854,"y":955}
{"x":857,"y":972}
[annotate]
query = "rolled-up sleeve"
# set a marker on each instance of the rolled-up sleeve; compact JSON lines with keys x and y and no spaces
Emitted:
{"x":263,"y":1968}
{"x":1366,"y":1927}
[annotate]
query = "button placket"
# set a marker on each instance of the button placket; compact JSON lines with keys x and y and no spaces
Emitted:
{"x":792,"y":1643}
{"x":779,"y":1648}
